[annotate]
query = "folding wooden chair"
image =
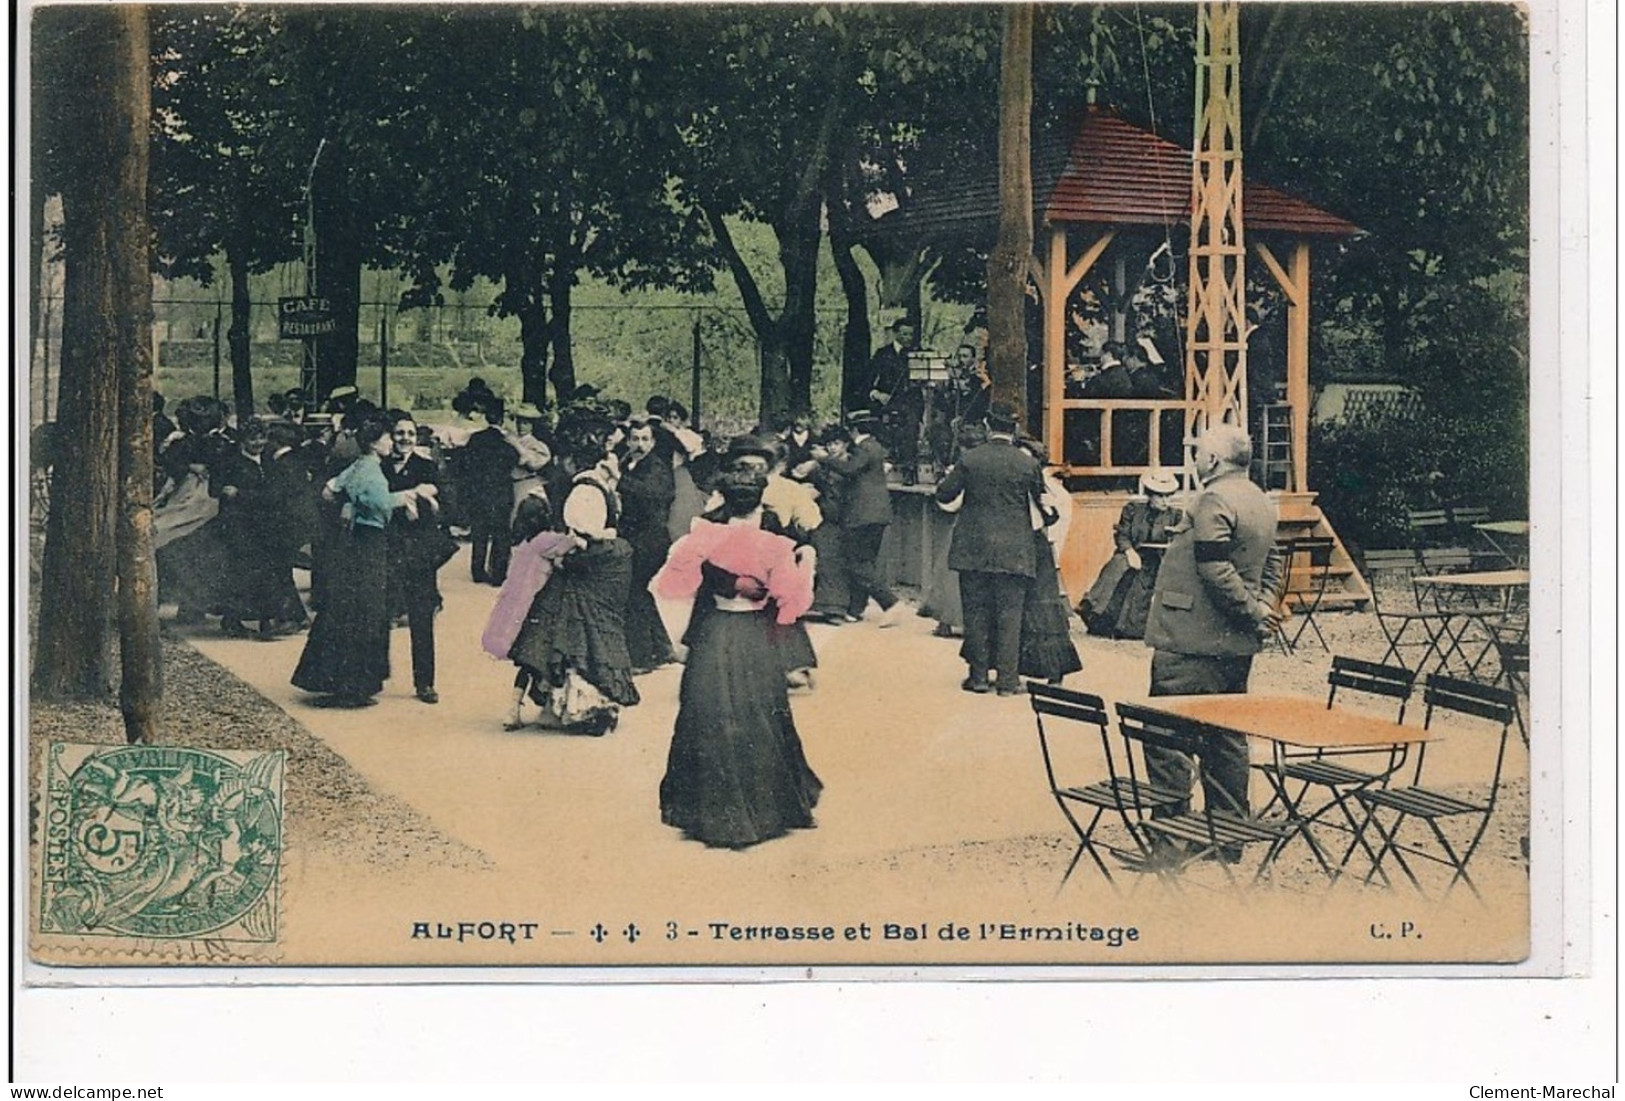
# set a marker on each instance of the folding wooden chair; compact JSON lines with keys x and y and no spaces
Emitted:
{"x":1322,"y":770}
{"x":1306,"y":589}
{"x":1433,"y":806}
{"x":1170,"y":841}
{"x":1118,"y":792}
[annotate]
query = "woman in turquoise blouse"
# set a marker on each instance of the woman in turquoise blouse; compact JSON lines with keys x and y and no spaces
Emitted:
{"x":346,"y":658}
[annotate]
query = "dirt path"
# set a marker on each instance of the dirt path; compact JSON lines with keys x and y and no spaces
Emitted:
{"x":935,"y":804}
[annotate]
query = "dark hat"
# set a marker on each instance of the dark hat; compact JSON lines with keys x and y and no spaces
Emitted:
{"x":1001,"y":418}
{"x":741,"y":446}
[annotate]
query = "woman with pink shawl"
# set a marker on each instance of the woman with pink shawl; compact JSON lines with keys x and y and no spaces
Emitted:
{"x":736,"y":774}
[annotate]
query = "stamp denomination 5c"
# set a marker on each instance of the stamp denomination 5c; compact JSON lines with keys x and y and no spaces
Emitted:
{"x":161,"y":843}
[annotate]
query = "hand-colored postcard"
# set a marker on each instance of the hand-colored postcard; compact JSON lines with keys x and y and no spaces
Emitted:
{"x":783,"y":485}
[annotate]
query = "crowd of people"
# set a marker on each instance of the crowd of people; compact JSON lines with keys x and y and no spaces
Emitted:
{"x":586,"y":517}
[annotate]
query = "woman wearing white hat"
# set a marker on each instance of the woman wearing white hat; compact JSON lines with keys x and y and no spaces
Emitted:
{"x":1117,"y":604}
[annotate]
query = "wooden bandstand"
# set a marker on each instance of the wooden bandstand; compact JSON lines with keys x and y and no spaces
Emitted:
{"x":1104,"y":201}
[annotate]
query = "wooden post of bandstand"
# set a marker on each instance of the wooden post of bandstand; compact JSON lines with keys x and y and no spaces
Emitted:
{"x":1215,"y":318}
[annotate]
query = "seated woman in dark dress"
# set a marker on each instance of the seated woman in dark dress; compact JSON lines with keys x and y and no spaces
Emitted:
{"x":736,"y":774}
{"x":1120,"y":599}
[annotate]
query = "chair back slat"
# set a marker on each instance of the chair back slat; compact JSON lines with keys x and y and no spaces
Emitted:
{"x":1469,"y":698}
{"x":1367,"y":676}
{"x":1064,"y":703}
{"x":1160,"y":729}
{"x":1467,"y":517}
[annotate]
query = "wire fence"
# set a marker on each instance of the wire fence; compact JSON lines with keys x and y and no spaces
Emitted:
{"x":704,"y":355}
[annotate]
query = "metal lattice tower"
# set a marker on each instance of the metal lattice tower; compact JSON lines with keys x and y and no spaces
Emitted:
{"x":1216,"y":315}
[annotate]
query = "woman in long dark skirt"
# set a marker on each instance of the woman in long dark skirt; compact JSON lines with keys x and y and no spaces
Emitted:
{"x":1047,"y":650}
{"x":572,"y":645}
{"x":736,"y":774}
{"x":346,"y":656}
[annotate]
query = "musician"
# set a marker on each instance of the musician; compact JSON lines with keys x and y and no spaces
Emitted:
{"x":899,"y":404}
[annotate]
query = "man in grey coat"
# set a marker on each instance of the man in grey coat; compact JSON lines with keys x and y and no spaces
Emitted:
{"x":1213,"y":605}
{"x":993,"y":549}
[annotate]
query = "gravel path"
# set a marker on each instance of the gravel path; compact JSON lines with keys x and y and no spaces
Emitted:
{"x":330,"y":808}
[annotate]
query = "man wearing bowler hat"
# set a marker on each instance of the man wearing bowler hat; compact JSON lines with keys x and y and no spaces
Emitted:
{"x":993,"y":549}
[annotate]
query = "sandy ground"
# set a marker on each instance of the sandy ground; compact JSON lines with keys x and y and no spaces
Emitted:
{"x":936,"y":820}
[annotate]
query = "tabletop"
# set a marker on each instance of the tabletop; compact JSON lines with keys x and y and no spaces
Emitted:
{"x":1504,"y":527}
{"x":1292,"y":720}
{"x":1489,"y":579}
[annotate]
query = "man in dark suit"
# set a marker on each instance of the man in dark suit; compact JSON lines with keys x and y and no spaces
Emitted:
{"x":247,"y":522}
{"x":887,"y":373}
{"x":1213,"y":605}
{"x":867,"y":512}
{"x":485,"y":483}
{"x":416,"y":546}
{"x":993,"y":549}
{"x":896,"y":400}
{"x":647,"y":489}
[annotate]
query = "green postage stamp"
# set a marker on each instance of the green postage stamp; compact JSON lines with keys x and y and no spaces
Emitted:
{"x":161,"y":843}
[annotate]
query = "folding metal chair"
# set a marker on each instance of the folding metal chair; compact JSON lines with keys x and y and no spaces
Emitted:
{"x":1118,"y":792}
{"x":1427,"y":527}
{"x":1282,"y":554}
{"x":1431,"y":805}
{"x":1169,"y":842}
{"x":1322,"y":770}
{"x":1304,"y":598}
{"x":1512,"y":655}
{"x":1406,"y":622}
{"x":1485,"y":554}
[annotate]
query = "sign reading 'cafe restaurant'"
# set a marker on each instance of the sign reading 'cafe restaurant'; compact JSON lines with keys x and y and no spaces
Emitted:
{"x":304,"y":316}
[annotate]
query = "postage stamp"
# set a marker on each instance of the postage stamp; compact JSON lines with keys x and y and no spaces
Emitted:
{"x":161,"y":843}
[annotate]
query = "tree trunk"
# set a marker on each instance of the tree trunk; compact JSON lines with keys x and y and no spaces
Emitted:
{"x":36,"y":306}
{"x":563,"y":371}
{"x":1007,"y":264}
{"x":237,"y":333}
{"x":773,"y":400}
{"x":141,"y":682}
{"x":798,"y":321}
{"x":73,"y":658}
{"x":856,"y":338}
{"x":535,"y":336}
{"x":338,"y":278}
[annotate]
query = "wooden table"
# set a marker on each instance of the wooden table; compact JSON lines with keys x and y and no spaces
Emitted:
{"x":1298,"y":728}
{"x":1508,"y":539}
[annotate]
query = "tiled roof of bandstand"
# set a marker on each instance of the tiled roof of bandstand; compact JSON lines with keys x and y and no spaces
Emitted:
{"x":1111,"y":172}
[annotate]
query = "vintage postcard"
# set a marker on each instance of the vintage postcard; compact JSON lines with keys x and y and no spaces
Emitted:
{"x":785,"y":486}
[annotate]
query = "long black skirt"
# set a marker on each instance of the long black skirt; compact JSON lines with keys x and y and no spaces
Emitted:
{"x":347,"y":652}
{"x":1047,"y":649}
{"x":647,"y":642}
{"x":736,"y":774}
{"x":578,"y":621}
{"x":831,"y":593}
